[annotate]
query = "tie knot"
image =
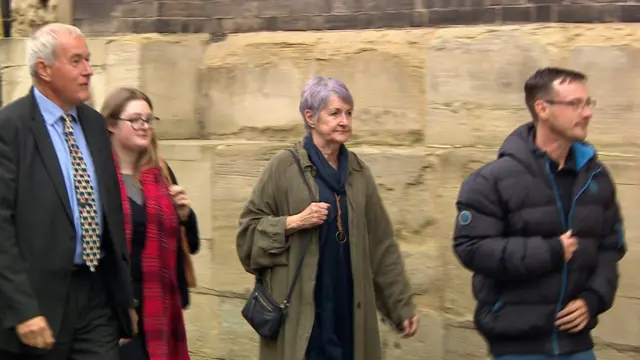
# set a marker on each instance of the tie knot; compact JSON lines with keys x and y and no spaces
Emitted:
{"x":67,"y":121}
{"x":67,"y":118}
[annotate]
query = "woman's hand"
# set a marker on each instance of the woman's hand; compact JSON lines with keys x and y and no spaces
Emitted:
{"x":410,"y":326}
{"x":183,"y":204}
{"x":315,"y":214}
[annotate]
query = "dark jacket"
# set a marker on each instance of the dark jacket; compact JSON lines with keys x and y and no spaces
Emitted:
{"x":37,"y":234}
{"x":510,"y":217}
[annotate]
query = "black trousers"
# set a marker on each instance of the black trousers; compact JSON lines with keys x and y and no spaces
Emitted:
{"x":89,"y":329}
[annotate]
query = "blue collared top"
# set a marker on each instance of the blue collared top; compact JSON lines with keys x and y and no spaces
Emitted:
{"x":52,"y":115}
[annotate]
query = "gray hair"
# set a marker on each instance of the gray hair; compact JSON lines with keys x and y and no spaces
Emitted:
{"x":43,"y":44}
{"x":317,"y":92}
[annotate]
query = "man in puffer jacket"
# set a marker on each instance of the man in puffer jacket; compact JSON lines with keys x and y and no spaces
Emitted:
{"x":541,"y":230}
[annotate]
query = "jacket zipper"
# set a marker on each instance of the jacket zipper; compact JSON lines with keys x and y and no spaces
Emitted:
{"x":566,"y":222}
{"x":263,"y":302}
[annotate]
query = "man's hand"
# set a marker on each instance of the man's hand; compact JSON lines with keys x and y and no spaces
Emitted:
{"x":410,"y":326}
{"x":574,"y":317}
{"x":36,"y":333}
{"x":569,"y":244}
{"x":134,"y":326}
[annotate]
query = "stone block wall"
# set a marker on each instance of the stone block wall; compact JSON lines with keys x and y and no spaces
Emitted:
{"x":431,"y":105}
{"x":234,"y":16}
{"x":29,"y":14}
{"x":97,"y":16}
{"x":102,"y":17}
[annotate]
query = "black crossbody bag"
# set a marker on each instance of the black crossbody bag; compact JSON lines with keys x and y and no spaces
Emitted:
{"x":262,"y":312}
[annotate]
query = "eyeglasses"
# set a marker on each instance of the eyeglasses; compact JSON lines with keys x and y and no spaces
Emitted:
{"x":577,"y":105}
{"x":139,"y":123}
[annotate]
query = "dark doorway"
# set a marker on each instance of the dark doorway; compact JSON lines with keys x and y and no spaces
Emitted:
{"x":6,"y":17}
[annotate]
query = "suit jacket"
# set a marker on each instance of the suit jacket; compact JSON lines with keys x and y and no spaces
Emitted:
{"x":37,"y":234}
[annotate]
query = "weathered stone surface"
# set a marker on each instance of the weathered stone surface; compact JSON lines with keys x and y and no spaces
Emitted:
{"x":124,"y":63}
{"x":233,"y":96}
{"x":15,"y":79}
{"x":235,"y":168}
{"x":427,"y":344}
{"x":15,"y":83}
{"x":97,"y":16}
{"x":403,"y":177}
{"x":406,"y":180}
{"x":464,"y":343}
{"x":98,"y":87}
{"x":473,"y":66}
{"x":218,"y":331}
{"x":244,"y":77}
{"x":28,"y":15}
{"x":626,"y":172}
{"x":387,"y":105}
{"x":620,"y":325}
{"x":604,"y":352}
{"x":453,"y":166}
{"x":203,"y":264}
{"x":475,"y":83}
{"x":611,"y":70}
{"x":170,"y":78}
{"x":272,"y":74}
{"x":459,"y":124}
{"x":12,"y":53}
{"x":203,"y":322}
{"x":187,"y":159}
{"x":99,"y":49}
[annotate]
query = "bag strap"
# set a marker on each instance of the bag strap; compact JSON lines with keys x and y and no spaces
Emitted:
{"x":307,"y":242}
{"x":309,"y":189}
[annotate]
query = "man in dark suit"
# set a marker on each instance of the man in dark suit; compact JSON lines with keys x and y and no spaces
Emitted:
{"x":64,"y":274}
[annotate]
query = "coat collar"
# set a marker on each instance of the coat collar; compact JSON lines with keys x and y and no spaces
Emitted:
{"x":355,"y":164}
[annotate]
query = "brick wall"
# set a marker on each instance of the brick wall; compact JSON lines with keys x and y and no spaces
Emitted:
{"x":96,"y":16}
{"x":225,"y":16}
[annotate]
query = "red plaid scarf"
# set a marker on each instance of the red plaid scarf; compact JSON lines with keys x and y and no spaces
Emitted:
{"x":162,"y":321}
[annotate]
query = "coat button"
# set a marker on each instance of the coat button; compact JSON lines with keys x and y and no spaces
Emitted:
{"x":358,"y":305}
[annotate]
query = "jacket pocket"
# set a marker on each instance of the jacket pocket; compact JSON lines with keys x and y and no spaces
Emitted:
{"x":504,"y":320}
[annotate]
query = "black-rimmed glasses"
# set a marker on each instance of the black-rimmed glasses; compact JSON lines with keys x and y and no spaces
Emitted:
{"x":139,"y":123}
{"x":577,"y":105}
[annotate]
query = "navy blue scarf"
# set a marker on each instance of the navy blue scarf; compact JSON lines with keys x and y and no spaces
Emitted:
{"x":334,"y":179}
{"x":332,"y":334}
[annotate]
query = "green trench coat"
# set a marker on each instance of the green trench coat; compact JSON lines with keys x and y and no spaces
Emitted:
{"x":379,"y":277}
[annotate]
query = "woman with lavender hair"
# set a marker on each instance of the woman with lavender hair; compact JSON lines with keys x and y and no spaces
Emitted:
{"x":352,"y":266}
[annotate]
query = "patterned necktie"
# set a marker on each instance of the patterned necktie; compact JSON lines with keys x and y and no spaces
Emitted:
{"x":85,"y":198}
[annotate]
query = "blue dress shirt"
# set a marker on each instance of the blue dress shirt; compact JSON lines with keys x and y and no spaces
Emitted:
{"x":52,"y":115}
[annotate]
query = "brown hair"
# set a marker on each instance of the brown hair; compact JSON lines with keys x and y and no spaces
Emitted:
{"x":112,"y":109}
{"x":540,"y":85}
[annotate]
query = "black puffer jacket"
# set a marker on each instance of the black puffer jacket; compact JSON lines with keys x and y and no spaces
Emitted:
{"x":510,"y":216}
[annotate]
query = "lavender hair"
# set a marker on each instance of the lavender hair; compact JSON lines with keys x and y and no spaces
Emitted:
{"x":317,"y":92}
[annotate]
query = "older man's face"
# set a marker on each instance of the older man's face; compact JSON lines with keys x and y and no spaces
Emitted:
{"x":71,"y":72}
